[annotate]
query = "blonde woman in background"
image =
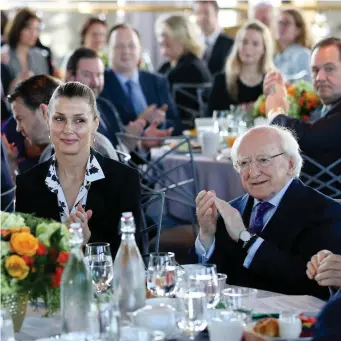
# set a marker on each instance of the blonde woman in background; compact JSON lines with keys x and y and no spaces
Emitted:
{"x":249,"y":61}
{"x":294,"y":44}
{"x":180,"y":42}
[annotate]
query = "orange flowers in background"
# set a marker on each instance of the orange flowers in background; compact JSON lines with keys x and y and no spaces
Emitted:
{"x":16,"y":267}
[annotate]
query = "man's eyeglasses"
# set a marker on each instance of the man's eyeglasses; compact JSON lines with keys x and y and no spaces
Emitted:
{"x":261,"y":161}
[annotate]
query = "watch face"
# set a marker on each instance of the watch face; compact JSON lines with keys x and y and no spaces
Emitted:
{"x":245,"y":236}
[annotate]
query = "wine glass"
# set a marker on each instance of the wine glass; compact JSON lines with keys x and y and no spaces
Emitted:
{"x":205,"y":279}
{"x":193,"y":312}
{"x":162,"y":274}
{"x":99,"y":259}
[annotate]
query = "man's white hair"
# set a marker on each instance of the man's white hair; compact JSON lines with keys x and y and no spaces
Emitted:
{"x":288,"y":143}
{"x":262,"y":5}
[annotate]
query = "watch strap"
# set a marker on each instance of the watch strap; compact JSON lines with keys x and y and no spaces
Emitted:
{"x":248,"y":244}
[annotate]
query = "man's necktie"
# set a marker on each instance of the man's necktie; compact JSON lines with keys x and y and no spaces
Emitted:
{"x":130,"y":97}
{"x":207,"y":53}
{"x":258,"y":222}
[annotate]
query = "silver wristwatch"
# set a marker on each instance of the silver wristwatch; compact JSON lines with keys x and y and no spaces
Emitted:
{"x":244,"y":237}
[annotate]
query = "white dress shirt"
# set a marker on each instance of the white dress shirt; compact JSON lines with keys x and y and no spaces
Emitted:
{"x":210,"y":42}
{"x":275,"y":201}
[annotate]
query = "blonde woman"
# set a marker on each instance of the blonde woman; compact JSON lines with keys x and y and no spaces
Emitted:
{"x":249,"y":61}
{"x":294,"y":44}
{"x":180,"y":42}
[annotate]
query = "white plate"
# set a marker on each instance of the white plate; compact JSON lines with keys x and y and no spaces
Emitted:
{"x":249,"y":328}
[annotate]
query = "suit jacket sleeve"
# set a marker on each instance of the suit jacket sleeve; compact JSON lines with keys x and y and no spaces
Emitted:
{"x":316,"y":137}
{"x":22,"y":193}
{"x":172,"y":115}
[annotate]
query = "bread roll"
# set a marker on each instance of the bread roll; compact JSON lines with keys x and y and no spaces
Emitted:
{"x":267,"y":327}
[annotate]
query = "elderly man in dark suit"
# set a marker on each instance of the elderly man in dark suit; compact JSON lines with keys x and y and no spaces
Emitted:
{"x":136,"y":93}
{"x":218,"y":44}
{"x":265,"y":238}
{"x":320,"y":139}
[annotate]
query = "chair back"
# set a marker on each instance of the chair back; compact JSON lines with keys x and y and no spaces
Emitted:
{"x":11,"y":204}
{"x":152,"y":204}
{"x":194,"y":93}
{"x":123,"y":156}
{"x":178,"y":182}
{"x":326,"y":179}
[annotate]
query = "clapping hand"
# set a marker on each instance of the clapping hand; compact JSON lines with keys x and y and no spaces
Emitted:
{"x":329,"y":271}
{"x":207,"y":217}
{"x":232,"y":219}
{"x":313,"y":264}
{"x":82,"y":217}
{"x":153,"y":132}
{"x":152,"y":113}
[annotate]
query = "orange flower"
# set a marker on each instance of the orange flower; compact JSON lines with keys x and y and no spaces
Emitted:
{"x":24,"y":244}
{"x":291,"y":91}
{"x":57,"y":277}
{"x":41,"y":249}
{"x":5,"y":232}
{"x":62,"y":257}
{"x":262,"y":108}
{"x":16,"y":267}
{"x":20,"y":229}
{"x":311,"y":96}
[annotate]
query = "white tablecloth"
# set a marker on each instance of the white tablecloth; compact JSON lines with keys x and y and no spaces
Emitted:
{"x":219,"y":176}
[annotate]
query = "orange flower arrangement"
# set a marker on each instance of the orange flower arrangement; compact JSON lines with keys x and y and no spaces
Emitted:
{"x":302,"y":100}
{"x":33,"y":255}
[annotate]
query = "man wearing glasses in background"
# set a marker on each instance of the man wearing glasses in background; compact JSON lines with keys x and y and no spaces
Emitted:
{"x":265,"y":238}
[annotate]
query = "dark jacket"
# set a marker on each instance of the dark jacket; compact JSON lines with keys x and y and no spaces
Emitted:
{"x":108,"y":198}
{"x":190,"y":70}
{"x":219,"y":54}
{"x":7,"y":184}
{"x":320,"y":139}
{"x":220,"y":99}
{"x":304,"y":223}
{"x":155,"y":89}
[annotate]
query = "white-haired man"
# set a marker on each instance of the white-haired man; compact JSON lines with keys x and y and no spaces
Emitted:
{"x":265,"y":238}
{"x":265,"y":12}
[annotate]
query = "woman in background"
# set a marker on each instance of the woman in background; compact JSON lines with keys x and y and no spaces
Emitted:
{"x":25,"y":59}
{"x":94,"y":36}
{"x":180,"y":42}
{"x":294,"y":44}
{"x":249,"y":61}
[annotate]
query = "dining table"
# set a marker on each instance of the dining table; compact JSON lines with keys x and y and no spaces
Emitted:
{"x":36,"y":327}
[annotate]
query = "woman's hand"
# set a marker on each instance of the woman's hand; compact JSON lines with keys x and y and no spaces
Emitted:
{"x":82,"y":217}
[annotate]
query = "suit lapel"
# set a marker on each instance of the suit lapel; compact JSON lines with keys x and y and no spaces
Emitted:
{"x":244,"y":206}
{"x":286,"y":223}
{"x":147,"y":89}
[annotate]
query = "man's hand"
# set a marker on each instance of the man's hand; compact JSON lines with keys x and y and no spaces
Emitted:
{"x":313,"y":264}
{"x":232,"y":219}
{"x":329,"y":271}
{"x":275,"y":91}
{"x":134,"y":128}
{"x":152,"y":113}
{"x":153,"y":131}
{"x":207,"y":217}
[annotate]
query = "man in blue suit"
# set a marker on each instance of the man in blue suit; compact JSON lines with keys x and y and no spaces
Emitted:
{"x":265,"y":238}
{"x":136,"y":93}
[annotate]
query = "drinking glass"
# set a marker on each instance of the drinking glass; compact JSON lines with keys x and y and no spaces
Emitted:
{"x":193,"y":313}
{"x":99,"y":259}
{"x":162,"y":274}
{"x":205,"y":279}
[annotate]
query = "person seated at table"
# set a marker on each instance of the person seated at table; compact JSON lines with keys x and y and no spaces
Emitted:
{"x":180,"y":42}
{"x":265,"y":238}
{"x":78,"y":184}
{"x":136,"y":93}
{"x":294,"y":43}
{"x":320,"y":139}
{"x":325,"y":269}
{"x":249,"y":61}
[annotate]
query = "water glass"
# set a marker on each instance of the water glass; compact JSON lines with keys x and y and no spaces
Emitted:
{"x":225,"y":325}
{"x":193,"y":313}
{"x":100,"y":263}
{"x":222,"y":278}
{"x":162,"y":274}
{"x":6,"y":325}
{"x":205,"y":280}
{"x":239,"y":299}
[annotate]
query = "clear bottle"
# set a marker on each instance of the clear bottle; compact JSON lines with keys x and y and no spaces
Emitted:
{"x":76,"y":293}
{"x":129,"y":270}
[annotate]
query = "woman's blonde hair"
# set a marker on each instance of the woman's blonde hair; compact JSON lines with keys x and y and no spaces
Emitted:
{"x":305,"y":38}
{"x":233,"y":65}
{"x":181,"y":28}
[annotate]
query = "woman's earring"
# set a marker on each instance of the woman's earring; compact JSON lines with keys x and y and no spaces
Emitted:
{"x":49,"y":137}
{"x":94,"y":139}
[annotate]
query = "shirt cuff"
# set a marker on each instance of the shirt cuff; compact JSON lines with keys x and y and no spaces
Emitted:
{"x":252,"y":251}
{"x":201,"y":252}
